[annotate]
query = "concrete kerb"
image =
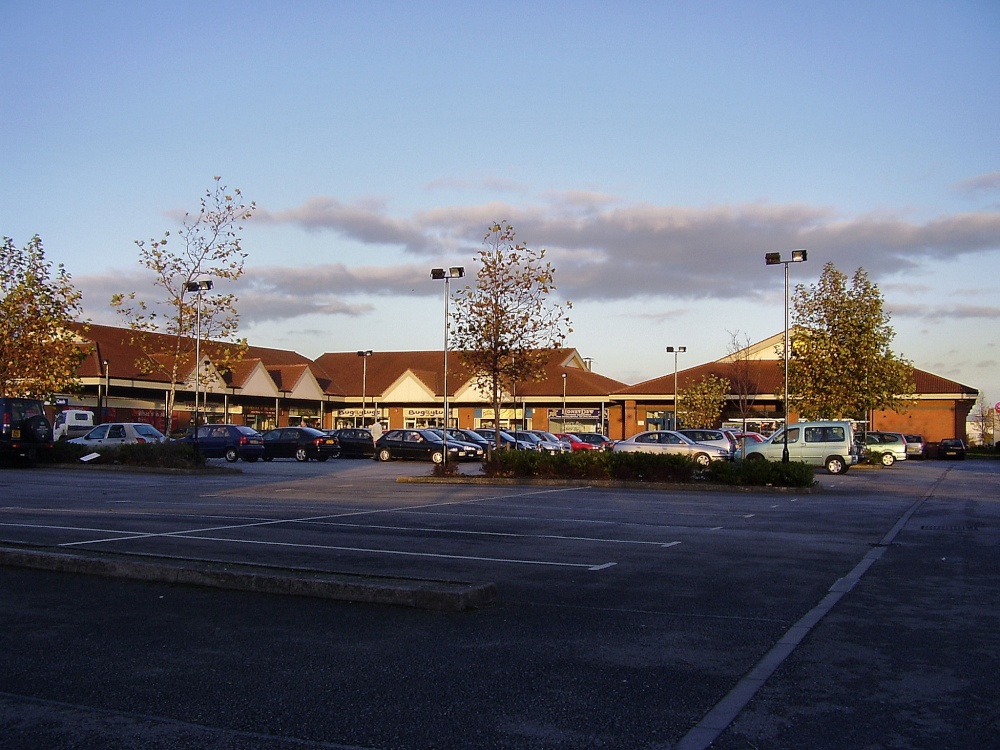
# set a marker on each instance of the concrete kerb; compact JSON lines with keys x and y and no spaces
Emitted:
{"x":445,"y":596}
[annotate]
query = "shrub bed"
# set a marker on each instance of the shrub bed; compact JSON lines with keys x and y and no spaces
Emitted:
{"x":171,"y":455}
{"x":645,"y":467}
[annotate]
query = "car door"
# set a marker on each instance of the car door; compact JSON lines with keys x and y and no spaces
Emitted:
{"x":209,"y":442}
{"x":117,"y":435}
{"x":97,"y":435}
{"x":413,"y":445}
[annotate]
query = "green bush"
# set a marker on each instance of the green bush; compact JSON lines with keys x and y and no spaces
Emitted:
{"x":645,"y":467}
{"x":762,"y":473}
{"x":172,"y":455}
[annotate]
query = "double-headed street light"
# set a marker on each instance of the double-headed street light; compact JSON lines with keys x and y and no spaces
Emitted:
{"x":365,"y":354}
{"x":774,"y":259}
{"x":675,"y":350}
{"x":454,"y":272}
{"x":202,"y":285}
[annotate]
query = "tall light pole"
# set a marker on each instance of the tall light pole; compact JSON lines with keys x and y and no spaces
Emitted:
{"x":364,"y":354}
{"x":675,"y":350}
{"x":454,"y":272}
{"x":107,"y":391}
{"x":198,"y":287}
{"x":564,"y":403}
{"x":774,"y":259}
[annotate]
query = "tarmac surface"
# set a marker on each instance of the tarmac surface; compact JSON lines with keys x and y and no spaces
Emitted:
{"x":862,"y":616}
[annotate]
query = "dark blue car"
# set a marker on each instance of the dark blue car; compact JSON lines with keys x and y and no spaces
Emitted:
{"x":228,"y":441}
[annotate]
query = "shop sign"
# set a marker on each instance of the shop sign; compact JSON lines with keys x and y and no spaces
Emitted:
{"x":357,"y":412}
{"x":424,"y":413}
{"x":575,"y":413}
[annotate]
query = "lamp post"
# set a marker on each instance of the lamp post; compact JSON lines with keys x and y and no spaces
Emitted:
{"x":564,"y":403}
{"x":364,"y":354}
{"x":198,"y":287}
{"x":774,"y":259}
{"x":107,"y":391}
{"x":454,"y":272}
{"x":675,"y":350}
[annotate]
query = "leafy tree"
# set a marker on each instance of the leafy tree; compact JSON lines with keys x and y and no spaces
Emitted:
{"x":841,"y":364}
{"x":208,"y":247}
{"x":702,"y":403}
{"x":39,"y":355}
{"x":504,"y":323}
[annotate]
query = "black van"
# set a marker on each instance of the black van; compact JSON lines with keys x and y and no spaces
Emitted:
{"x":25,"y":431}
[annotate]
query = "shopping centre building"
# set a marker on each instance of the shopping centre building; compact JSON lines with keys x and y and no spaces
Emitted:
{"x":276,"y":387}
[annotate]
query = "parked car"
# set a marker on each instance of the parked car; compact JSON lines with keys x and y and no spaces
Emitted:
{"x":916,"y":446}
{"x":574,"y":442}
{"x":300,"y":443}
{"x":600,"y":442}
{"x":829,"y":444}
{"x":506,"y":439}
{"x":25,"y":431}
{"x":546,"y":435}
{"x":891,"y":446}
{"x":718,"y":438}
{"x":472,"y":437}
{"x":747,"y":437}
{"x":474,"y":451}
{"x":425,"y":445}
{"x":668,"y":441}
{"x":71,"y":423}
{"x":951,"y":448}
{"x":355,"y":442}
{"x":120,"y":433}
{"x":229,"y":441}
{"x":541,"y":443}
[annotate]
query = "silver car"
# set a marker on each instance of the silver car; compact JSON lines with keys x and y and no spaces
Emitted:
{"x":668,"y":441}
{"x":718,"y":438}
{"x":891,"y":446}
{"x":120,"y":433}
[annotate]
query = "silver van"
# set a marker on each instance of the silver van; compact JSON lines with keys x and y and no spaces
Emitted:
{"x":829,"y":444}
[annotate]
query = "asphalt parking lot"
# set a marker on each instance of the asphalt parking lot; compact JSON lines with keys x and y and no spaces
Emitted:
{"x":860,"y":616}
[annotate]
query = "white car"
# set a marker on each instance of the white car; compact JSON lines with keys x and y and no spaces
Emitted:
{"x":120,"y":433}
{"x":668,"y":441}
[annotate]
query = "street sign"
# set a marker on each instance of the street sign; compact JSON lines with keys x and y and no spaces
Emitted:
{"x":996,"y":407}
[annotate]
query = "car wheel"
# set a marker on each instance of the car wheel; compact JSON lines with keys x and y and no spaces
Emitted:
{"x":301,"y":455}
{"x":38,"y":429}
{"x":321,"y":459}
{"x":384,"y":454}
{"x":232,"y":455}
{"x":754,"y":457}
{"x":836,"y":465}
{"x":437,"y":457}
{"x":702,"y":459}
{"x":888,"y":459}
{"x":268,"y":458}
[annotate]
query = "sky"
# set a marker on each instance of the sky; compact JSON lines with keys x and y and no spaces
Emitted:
{"x":655,"y":150}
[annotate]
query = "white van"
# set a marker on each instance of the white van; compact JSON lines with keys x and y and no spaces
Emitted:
{"x":829,"y":444}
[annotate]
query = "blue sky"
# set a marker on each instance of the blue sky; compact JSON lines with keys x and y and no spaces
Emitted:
{"x":655,"y":150}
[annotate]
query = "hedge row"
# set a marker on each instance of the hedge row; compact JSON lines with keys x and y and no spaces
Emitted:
{"x":645,"y":467}
{"x":172,"y":455}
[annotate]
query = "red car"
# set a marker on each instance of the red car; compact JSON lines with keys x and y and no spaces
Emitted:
{"x":575,"y":443}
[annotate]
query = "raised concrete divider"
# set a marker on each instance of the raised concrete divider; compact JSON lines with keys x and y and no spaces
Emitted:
{"x":447,"y":596}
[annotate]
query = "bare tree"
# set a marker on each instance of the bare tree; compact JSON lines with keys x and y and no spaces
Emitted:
{"x":208,"y":248}
{"x":983,"y":420}
{"x":742,"y":375}
{"x":505,"y":324}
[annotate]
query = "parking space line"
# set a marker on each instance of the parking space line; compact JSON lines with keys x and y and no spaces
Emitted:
{"x":404,"y":553}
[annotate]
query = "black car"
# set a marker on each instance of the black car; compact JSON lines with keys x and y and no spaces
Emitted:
{"x":425,"y":445}
{"x":300,"y":443}
{"x":951,"y":448}
{"x":474,"y":450}
{"x":25,"y":431}
{"x":354,"y":442}
{"x":228,"y":441}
